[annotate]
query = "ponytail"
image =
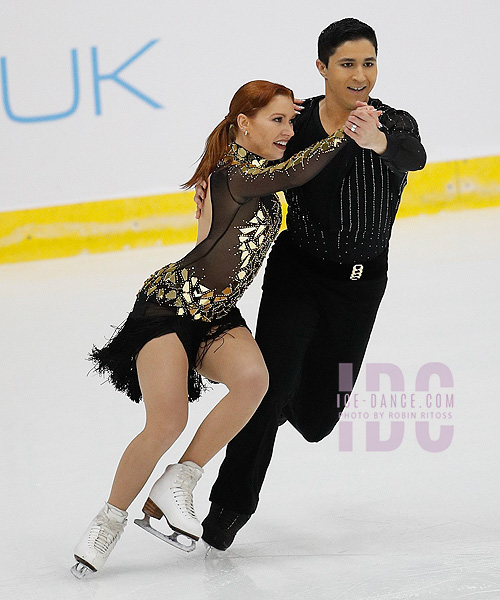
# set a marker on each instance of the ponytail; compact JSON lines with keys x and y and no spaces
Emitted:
{"x":215,"y":148}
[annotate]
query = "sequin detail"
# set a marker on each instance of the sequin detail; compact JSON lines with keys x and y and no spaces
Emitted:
{"x":207,"y":283}
{"x":253,"y":165}
{"x":184,"y":291}
{"x":351,"y":218}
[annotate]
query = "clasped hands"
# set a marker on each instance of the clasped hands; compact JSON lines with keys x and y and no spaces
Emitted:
{"x":362,"y":126}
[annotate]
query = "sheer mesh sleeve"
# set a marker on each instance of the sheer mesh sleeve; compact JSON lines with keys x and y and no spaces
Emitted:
{"x":404,"y":149}
{"x":250,"y":181}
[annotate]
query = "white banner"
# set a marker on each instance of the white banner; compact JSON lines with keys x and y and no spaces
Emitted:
{"x":114,"y":98}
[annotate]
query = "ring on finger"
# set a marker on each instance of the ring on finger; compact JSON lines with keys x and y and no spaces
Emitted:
{"x":353,"y":127}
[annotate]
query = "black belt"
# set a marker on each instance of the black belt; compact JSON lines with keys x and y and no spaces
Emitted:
{"x":361,"y":270}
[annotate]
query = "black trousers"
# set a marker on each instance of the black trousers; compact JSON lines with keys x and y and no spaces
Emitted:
{"x":312,"y":317}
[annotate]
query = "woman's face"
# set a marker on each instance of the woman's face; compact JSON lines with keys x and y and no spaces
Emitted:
{"x":269,"y":129}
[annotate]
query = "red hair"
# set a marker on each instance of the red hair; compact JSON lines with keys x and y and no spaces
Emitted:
{"x":248,"y":100}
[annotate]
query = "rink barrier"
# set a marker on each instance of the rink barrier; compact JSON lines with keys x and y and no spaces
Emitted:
{"x":139,"y":222}
{"x":92,"y":227}
{"x":454,"y":185}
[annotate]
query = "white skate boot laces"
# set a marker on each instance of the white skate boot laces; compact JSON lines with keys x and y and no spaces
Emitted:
{"x":104,"y":533}
{"x":183,"y":492}
{"x":98,"y":541}
{"x":172,"y":497}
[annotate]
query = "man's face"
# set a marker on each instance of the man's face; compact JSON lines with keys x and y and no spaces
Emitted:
{"x":351,"y":73}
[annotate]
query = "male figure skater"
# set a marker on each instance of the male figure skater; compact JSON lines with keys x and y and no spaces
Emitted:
{"x":326,"y":273}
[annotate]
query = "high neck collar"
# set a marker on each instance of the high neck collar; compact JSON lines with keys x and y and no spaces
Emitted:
{"x":236,"y":154}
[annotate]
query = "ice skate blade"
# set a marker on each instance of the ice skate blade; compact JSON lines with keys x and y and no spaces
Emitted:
{"x":171,"y":539}
{"x":212,"y":553}
{"x":80,"y":570}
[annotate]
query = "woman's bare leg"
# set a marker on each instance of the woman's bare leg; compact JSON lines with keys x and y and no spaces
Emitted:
{"x":162,"y":366}
{"x":236,"y":361}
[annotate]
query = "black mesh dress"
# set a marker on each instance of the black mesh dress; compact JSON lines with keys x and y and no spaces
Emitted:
{"x":196,"y":296}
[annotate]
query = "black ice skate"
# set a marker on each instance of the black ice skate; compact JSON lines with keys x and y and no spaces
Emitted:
{"x":221,"y":526}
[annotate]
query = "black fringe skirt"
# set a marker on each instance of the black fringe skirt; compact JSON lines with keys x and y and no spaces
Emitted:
{"x":117,"y":359}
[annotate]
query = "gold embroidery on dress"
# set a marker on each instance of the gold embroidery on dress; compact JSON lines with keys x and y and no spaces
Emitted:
{"x":182,"y":289}
{"x":251,"y":164}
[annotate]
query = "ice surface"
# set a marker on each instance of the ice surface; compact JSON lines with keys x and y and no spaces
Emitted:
{"x":333,"y":524}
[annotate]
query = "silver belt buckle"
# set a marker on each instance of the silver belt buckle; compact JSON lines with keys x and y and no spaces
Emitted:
{"x":356,"y":273}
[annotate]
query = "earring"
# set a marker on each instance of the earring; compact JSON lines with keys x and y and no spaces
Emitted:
{"x":246,"y":131}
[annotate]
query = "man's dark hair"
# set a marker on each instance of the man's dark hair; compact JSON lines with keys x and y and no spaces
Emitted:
{"x":345,"y":30}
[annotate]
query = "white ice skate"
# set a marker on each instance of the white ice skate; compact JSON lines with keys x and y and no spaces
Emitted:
{"x":99,"y":539}
{"x":172,"y":497}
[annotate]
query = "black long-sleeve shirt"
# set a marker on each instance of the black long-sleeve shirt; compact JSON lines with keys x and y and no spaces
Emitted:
{"x":346,"y":213}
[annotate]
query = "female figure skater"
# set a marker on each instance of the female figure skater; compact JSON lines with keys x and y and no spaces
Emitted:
{"x":167,"y":341}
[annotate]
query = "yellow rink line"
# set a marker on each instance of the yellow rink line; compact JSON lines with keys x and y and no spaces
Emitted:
{"x":454,"y":185}
{"x":108,"y":225}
